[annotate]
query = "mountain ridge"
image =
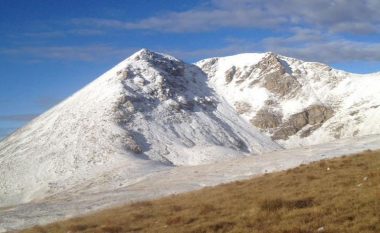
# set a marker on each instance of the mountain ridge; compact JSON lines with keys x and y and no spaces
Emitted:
{"x":153,"y":111}
{"x":154,"y":114}
{"x":292,"y":100}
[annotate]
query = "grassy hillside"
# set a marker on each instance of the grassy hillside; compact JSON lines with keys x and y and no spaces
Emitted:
{"x":338,"y":195}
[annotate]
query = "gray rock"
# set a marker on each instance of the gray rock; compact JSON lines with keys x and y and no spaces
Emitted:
{"x":266,"y":119}
{"x":284,"y":132}
{"x":242,"y":107}
{"x":274,"y":76}
{"x":307,"y":132}
{"x":314,"y":115}
{"x":229,"y":74}
{"x":280,"y":83}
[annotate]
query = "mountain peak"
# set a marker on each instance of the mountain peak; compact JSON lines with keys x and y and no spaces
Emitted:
{"x":270,"y":54}
{"x":148,"y":55}
{"x":153,"y":107}
{"x":144,"y":52}
{"x":150,"y":107}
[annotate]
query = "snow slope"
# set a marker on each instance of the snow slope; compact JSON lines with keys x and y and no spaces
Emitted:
{"x":295,"y":102}
{"x":132,"y":133}
{"x":106,"y":191}
{"x":148,"y":112}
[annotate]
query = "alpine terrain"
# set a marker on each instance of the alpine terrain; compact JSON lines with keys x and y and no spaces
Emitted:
{"x":152,"y":115}
{"x":295,"y":102}
{"x":150,"y":106}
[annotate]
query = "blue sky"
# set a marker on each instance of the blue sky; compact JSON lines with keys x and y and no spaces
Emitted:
{"x":50,"y":49}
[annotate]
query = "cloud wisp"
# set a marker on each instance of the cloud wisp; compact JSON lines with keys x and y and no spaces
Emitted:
{"x":310,"y":30}
{"x":304,"y":44}
{"x":319,"y":30}
{"x":356,"y":17}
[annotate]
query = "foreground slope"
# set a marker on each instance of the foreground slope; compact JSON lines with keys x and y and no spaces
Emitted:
{"x":296,"y":102}
{"x":146,"y":113}
{"x":112,"y":189}
{"x":338,"y":195}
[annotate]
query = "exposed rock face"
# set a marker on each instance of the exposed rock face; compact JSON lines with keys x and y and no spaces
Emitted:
{"x":242,"y":75}
{"x":307,"y":132}
{"x":314,"y":115}
{"x":275,"y":78}
{"x":284,"y":132}
{"x":317,"y":114}
{"x":172,"y":67}
{"x":230,"y":74}
{"x":131,"y":145}
{"x":210,"y":66}
{"x":280,"y":84}
{"x":278,"y":81}
{"x":267,"y":119}
{"x":282,"y":97}
{"x":271,"y":121}
{"x":242,"y":107}
{"x":270,"y":102}
{"x":269,"y":64}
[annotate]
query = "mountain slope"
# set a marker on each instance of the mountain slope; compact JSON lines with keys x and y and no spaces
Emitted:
{"x":335,"y":195}
{"x":295,"y":102}
{"x":129,"y":134}
{"x":149,"y":111}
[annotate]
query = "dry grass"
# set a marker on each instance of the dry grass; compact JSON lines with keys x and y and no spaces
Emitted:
{"x":339,"y":195}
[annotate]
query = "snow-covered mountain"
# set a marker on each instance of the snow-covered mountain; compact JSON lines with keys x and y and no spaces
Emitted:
{"x":150,"y":107}
{"x":153,"y":111}
{"x":295,"y":102}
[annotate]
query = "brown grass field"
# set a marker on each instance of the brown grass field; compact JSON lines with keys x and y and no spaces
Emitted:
{"x":337,"y":195}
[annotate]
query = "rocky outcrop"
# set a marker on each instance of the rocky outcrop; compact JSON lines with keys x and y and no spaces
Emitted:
{"x":280,"y":84}
{"x":230,"y":74}
{"x":288,"y":93}
{"x":314,"y":115}
{"x":307,"y":132}
{"x":269,"y":64}
{"x":272,"y":122}
{"x":242,"y":107}
{"x":275,"y":77}
{"x":270,"y":73}
{"x":267,"y":119}
{"x":317,"y":114}
{"x":210,"y":66}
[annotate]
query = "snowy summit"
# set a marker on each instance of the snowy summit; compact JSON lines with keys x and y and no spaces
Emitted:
{"x":152,"y":112}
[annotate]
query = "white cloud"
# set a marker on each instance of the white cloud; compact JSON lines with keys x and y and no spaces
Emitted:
{"x":311,"y":30}
{"x":330,"y":15}
{"x":302,"y":44}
